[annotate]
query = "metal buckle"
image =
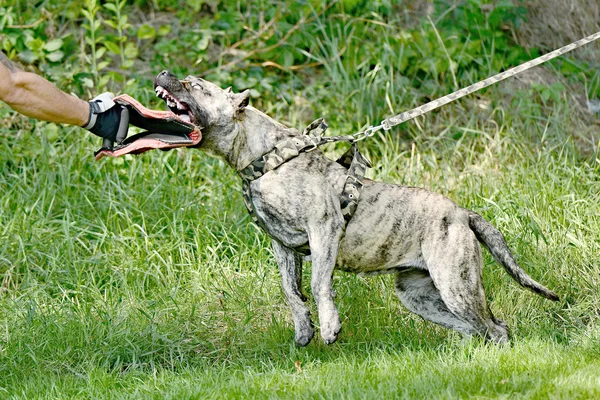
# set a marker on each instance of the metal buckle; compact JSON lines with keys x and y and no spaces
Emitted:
{"x":315,"y":145}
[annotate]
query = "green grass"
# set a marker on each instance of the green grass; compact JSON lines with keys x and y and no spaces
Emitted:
{"x":143,"y":277}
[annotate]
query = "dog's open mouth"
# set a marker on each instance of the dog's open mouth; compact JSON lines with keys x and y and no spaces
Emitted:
{"x":179,"y":108}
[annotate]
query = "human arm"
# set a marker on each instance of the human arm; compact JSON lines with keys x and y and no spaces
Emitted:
{"x":35,"y":97}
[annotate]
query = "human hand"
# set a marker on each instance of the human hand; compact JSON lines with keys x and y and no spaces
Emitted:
{"x":108,"y":119}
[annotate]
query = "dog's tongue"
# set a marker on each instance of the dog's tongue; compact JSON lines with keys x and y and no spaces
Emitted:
{"x":164,"y":130}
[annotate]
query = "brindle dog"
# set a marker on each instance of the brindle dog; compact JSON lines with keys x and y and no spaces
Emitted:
{"x":425,"y":239}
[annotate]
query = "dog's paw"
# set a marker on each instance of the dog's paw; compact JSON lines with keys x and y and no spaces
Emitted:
{"x":303,"y":338}
{"x":499,"y":334}
{"x":330,"y":331}
{"x":304,"y":330}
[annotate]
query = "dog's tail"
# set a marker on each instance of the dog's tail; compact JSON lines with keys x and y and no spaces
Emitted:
{"x":493,"y":240}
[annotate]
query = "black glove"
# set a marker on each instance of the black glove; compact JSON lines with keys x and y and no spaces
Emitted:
{"x":108,"y":120}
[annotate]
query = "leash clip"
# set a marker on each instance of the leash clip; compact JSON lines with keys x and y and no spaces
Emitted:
{"x":370,"y":131}
{"x":387,"y":124}
{"x":374,"y":129}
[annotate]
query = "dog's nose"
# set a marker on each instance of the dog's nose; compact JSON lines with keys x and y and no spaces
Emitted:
{"x":164,"y":78}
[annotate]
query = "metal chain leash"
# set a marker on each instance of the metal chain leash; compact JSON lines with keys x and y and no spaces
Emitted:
{"x":388,"y":123}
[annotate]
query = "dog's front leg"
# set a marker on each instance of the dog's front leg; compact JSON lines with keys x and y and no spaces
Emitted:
{"x":324,"y":242}
{"x":290,"y":268}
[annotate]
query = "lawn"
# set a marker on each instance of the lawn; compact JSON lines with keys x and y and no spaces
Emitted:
{"x":144,"y":277}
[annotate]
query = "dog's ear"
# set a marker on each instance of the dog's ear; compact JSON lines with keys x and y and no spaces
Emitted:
{"x":241,"y":100}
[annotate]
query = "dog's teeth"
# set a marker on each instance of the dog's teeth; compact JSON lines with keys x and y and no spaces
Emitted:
{"x":185,"y":117}
{"x":160,"y":91}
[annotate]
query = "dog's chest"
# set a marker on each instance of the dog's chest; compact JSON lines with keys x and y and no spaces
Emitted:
{"x":288,"y":200}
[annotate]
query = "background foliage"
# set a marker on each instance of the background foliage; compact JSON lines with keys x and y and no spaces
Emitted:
{"x":143,"y":277}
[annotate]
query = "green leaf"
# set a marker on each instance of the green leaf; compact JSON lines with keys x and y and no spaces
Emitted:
{"x":102,"y":65}
{"x":288,"y":58}
{"x":103,"y":81}
{"x":164,"y":30}
{"x":99,"y":39}
{"x":195,"y":4}
{"x":87,"y":82}
{"x":7,"y":19}
{"x":55,"y":56}
{"x":112,"y":24}
{"x":53,"y":45}
{"x":100,"y":52}
{"x":203,"y":43}
{"x":28,"y":57}
{"x":127,"y":64}
{"x":112,"y":47}
{"x":111,"y":7}
{"x":130,"y":50}
{"x":146,"y":32}
{"x":115,"y":76}
{"x":34,"y":44}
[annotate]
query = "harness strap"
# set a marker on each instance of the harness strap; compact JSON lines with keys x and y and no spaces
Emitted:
{"x":286,"y":150}
{"x":357,"y":166}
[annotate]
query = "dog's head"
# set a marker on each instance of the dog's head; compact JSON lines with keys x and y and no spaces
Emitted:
{"x":203,"y":103}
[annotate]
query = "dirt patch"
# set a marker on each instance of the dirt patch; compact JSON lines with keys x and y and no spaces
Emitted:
{"x":554,"y":23}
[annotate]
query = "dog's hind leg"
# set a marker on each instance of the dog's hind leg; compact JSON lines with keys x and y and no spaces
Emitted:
{"x":454,"y":262}
{"x":415,"y":288}
{"x":290,"y":268}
